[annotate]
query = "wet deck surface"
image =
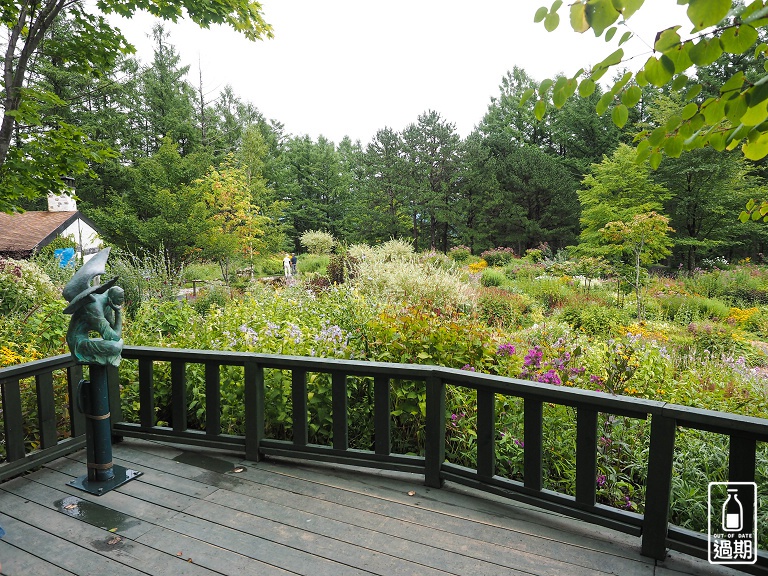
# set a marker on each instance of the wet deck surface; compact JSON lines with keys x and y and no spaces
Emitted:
{"x":192,"y":513}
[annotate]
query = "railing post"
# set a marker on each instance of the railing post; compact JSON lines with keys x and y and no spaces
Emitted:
{"x":146,"y":394}
{"x":299,"y":406}
{"x":178,"y":395}
{"x":77,"y":420}
{"x":253,"y":375}
{"x":659,"y":487}
{"x":533,"y":437}
{"x":435,"y":440}
{"x":212,"y":398}
{"x":340,"y":410}
{"x":14,"y":420}
{"x":586,"y":455}
{"x":741,"y":459}
{"x":486,"y":433}
{"x":46,"y":410}
{"x":382,"y":421}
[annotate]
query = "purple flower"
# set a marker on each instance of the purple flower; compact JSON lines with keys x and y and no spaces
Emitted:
{"x":550,"y":377}
{"x":519,"y":443}
{"x":468,"y":367}
{"x":505,"y":350}
{"x":601,"y":480}
{"x":533,"y":358}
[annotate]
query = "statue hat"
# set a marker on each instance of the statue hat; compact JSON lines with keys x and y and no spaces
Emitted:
{"x":79,"y":287}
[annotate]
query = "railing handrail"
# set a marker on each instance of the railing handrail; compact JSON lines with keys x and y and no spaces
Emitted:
{"x":665,"y":419}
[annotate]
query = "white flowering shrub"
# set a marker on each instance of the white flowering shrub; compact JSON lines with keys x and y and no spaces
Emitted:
{"x":22,"y":285}
{"x":317,"y":241}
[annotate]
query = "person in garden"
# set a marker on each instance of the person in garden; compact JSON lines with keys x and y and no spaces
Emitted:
{"x":293,"y":263}
{"x":287,"y":265}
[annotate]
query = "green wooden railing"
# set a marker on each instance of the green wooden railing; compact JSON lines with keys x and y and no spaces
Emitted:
{"x":652,"y":526}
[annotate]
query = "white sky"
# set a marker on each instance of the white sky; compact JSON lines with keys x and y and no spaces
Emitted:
{"x":352,"y":67}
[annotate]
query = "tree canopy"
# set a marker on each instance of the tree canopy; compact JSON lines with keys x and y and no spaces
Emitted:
{"x":38,"y":148}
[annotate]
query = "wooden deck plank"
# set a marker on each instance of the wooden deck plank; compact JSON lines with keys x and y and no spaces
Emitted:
{"x":190,"y":513}
{"x":52,"y":543}
{"x":18,"y":562}
{"x":90,"y":538}
{"x":483,"y":542}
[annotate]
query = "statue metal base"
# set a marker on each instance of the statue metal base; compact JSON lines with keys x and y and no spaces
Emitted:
{"x":99,"y":487}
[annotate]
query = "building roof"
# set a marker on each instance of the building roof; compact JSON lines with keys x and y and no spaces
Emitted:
{"x":23,"y":233}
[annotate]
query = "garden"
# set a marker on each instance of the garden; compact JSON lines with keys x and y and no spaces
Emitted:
{"x":699,"y":341}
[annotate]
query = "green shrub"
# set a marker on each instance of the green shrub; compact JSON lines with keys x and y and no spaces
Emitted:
{"x":272,"y":266}
{"x":213,"y":296}
{"x":436,"y":260}
{"x":497,"y":307}
{"x":146,"y":277}
{"x":317,"y":241}
{"x":523,"y":270}
{"x":492,"y":277}
{"x":498,"y":256}
{"x":459,"y":254}
{"x":312,"y":263}
{"x":201,"y":271}
{"x":596,"y":320}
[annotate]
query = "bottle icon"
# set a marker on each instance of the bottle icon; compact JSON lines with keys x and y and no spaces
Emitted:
{"x":733,"y":512}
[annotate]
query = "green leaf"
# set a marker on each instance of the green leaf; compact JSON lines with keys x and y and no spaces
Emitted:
{"x":733,"y":84}
{"x":735,"y":108}
{"x":540,"y":109}
{"x":655,"y":160}
{"x":679,"y":82}
{"x":579,"y":17}
{"x":659,"y":71}
{"x":526,"y":95}
{"x":755,"y":114}
{"x":713,"y":110}
{"x":693,"y":91}
{"x":756,"y":149}
{"x":603,"y":103}
{"x":624,"y":37}
{"x":743,"y":217}
{"x":738,"y":39}
{"x":690,"y":110}
{"x":541,"y":13}
{"x":680,"y":57}
{"x":587,"y":87}
{"x":707,"y":51}
{"x":556,"y":5}
{"x":751,"y":204}
{"x":559,"y":95}
{"x":673,"y":147}
{"x":630,"y":7}
{"x":706,"y":13}
{"x":600,"y":14}
{"x":643,"y":151}
{"x":641,"y":79}
{"x":657,"y":136}
{"x":673,"y":122}
{"x":667,"y":39}
{"x":545,"y":85}
{"x":610,"y":34}
{"x":551,"y":22}
{"x":717,"y":141}
{"x":620,"y":115}
{"x":631,"y":96}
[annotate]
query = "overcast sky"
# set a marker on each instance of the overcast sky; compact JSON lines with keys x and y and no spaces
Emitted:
{"x":352,"y":67}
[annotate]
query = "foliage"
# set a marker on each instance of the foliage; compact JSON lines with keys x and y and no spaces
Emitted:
{"x":492,"y":277}
{"x":146,"y":277}
{"x":498,"y":256}
{"x":736,"y":114}
{"x":317,"y":241}
{"x":460,"y":254}
{"x":38,"y":148}
{"x":22,"y":285}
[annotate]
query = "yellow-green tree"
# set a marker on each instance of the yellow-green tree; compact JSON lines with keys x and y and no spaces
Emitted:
{"x":228,"y":220}
{"x":646,"y":238}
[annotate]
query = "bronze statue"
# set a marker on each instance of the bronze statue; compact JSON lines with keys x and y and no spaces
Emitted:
{"x":96,"y":308}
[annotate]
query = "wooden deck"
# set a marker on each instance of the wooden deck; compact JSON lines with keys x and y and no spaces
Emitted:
{"x":192,"y":513}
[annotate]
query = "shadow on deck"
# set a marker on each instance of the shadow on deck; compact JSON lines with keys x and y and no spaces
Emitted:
{"x":193,"y":511}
